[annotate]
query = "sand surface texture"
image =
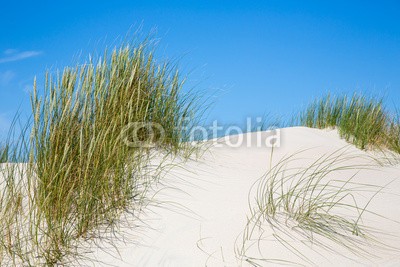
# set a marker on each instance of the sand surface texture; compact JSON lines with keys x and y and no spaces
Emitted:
{"x":200,"y":213}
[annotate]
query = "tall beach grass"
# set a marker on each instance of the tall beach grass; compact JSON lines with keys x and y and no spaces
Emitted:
{"x":394,"y":134}
{"x":92,"y":129}
{"x":361,"y":120}
{"x":318,"y":205}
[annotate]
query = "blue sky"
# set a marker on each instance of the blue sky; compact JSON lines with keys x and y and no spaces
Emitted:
{"x":251,"y":57}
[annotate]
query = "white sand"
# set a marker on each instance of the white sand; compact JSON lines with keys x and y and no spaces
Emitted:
{"x":204,"y":208}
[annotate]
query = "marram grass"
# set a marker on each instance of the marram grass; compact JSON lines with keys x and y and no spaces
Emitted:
{"x":3,"y":153}
{"x":393,"y":134}
{"x":318,"y":205}
{"x":82,"y":167}
{"x":361,"y":120}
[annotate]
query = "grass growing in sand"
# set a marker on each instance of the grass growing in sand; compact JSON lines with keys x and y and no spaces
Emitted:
{"x":317,"y":205}
{"x":3,"y":153}
{"x":84,"y":159}
{"x":394,"y":134}
{"x":362,"y":120}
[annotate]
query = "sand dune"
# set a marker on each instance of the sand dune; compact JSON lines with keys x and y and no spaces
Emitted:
{"x":199,"y":211}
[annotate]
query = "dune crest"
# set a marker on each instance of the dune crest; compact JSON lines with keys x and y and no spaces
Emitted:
{"x":199,"y":212}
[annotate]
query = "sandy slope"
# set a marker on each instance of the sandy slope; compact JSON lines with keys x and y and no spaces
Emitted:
{"x":204,"y":205}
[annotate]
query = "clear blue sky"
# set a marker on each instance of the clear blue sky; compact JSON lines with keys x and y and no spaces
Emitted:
{"x":253,"y":57}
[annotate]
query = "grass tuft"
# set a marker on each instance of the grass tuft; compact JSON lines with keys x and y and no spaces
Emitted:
{"x":318,"y":204}
{"x":361,"y":120}
{"x":92,"y":131}
{"x":393,"y":134}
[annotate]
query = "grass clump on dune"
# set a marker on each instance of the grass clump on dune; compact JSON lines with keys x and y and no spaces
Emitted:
{"x":363,"y":121}
{"x":394,"y":134}
{"x":317,"y":204}
{"x":93,"y":126}
{"x":308,"y":197}
{"x":3,"y":153}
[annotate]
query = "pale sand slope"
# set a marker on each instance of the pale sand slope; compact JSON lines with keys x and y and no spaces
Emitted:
{"x":204,"y":207}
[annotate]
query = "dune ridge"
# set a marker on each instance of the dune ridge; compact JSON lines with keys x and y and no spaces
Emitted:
{"x":199,"y":211}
